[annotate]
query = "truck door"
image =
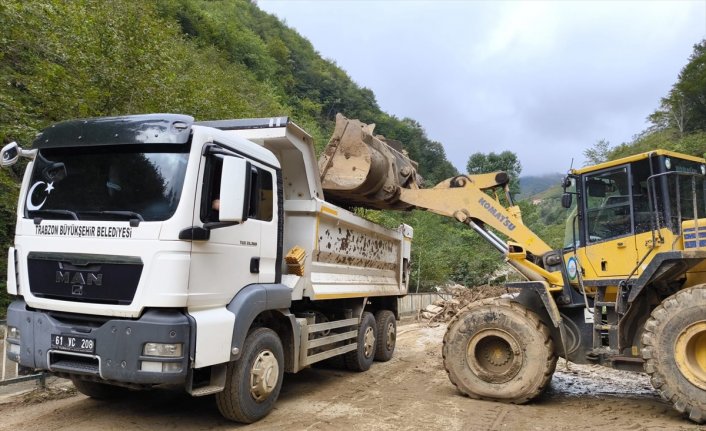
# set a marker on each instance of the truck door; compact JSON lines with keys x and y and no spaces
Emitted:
{"x":228,"y":260}
{"x":610,"y":243}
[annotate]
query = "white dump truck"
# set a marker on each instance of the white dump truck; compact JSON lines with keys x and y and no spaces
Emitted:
{"x":155,"y":250}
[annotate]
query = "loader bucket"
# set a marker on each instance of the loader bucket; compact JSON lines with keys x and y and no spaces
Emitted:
{"x":359,"y":169}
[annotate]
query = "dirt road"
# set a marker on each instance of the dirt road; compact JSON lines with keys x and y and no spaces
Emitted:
{"x":410,"y":392}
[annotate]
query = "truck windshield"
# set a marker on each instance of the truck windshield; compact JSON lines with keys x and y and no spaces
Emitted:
{"x":107,"y":183}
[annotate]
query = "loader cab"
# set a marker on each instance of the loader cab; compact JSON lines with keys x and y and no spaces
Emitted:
{"x":627,"y":207}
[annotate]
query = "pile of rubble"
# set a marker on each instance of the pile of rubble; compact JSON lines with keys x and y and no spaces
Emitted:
{"x":443,"y":310}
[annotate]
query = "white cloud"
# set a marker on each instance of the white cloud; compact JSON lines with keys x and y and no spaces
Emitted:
{"x":538,"y":78}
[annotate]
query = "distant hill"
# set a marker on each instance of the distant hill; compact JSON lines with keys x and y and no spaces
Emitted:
{"x":534,"y":185}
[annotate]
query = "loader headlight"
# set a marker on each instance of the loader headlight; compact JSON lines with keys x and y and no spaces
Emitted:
{"x":703,"y":169}
{"x":167,"y":350}
{"x":668,"y":163}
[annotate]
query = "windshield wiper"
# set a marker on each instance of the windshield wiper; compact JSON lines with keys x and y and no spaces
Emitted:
{"x":38,"y":220}
{"x":132,"y":216}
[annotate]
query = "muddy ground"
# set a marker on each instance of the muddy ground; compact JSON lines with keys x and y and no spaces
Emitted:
{"x":408,"y":393}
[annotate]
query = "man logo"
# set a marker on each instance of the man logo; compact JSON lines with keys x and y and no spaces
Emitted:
{"x":79,"y":278}
{"x":77,"y":290}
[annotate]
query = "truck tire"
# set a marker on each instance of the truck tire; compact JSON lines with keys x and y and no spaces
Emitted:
{"x":499,"y":350}
{"x":362,"y":358}
{"x":253,"y":382}
{"x":674,"y":348}
{"x":98,"y":391}
{"x":386,"y":335}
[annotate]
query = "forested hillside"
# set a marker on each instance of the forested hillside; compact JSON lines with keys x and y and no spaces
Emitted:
{"x":534,"y":186}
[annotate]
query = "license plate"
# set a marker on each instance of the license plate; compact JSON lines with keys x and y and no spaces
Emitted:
{"x":73,"y":344}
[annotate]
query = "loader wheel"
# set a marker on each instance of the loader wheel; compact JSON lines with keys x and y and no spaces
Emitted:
{"x":387,"y":335}
{"x":362,"y":358}
{"x":674,"y":350}
{"x":253,"y":382}
{"x":98,"y":391}
{"x":499,"y":350}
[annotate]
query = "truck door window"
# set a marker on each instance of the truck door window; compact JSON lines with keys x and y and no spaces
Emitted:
{"x":211,"y":192}
{"x":261,"y":195}
{"x":608,"y":209}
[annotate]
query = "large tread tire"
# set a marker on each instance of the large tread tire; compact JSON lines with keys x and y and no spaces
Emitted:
{"x":237,"y":401}
{"x":98,"y":391}
{"x":362,"y":358}
{"x":386,"y":335}
{"x":663,"y":355}
{"x":499,"y":350}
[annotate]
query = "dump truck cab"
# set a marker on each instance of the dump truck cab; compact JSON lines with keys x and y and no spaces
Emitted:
{"x":155,"y":250}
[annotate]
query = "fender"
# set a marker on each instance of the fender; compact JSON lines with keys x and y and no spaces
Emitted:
{"x":248,"y":303}
{"x":548,"y":305}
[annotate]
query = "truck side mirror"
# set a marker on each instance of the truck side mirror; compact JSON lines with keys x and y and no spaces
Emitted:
{"x":9,"y":154}
{"x":12,"y":152}
{"x":235,"y":190}
{"x":566,"y":200}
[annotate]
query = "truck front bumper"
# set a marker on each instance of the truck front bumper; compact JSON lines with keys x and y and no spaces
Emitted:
{"x":117,"y":353}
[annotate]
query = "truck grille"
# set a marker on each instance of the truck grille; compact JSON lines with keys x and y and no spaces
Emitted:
{"x":91,"y":278}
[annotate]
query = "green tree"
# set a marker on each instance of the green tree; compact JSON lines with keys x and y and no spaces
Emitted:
{"x":507,"y":161}
{"x":683,"y":110}
{"x":598,"y":153}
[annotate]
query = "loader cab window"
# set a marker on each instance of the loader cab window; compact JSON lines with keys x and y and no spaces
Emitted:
{"x":608,"y":205}
{"x":685,"y":185}
{"x":644,"y":215}
{"x":571,"y":229}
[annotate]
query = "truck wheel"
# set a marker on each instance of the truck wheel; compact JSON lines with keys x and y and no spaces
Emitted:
{"x":98,"y":391}
{"x":499,"y":350}
{"x":253,"y":382}
{"x":674,"y":350}
{"x":387,"y":335}
{"x":362,"y":358}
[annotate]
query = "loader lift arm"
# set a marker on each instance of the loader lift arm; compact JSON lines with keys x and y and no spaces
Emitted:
{"x":465,"y":198}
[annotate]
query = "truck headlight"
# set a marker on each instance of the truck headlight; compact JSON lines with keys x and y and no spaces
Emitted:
{"x":160,"y":367}
{"x":167,"y":350}
{"x":13,"y":334}
{"x":13,"y":349}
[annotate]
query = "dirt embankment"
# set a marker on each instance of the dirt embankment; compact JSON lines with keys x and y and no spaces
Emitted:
{"x":410,"y":392}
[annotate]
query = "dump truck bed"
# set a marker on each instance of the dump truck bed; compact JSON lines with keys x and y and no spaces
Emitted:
{"x":346,"y":256}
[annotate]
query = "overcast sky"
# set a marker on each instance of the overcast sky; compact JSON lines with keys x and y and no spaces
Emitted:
{"x":543,"y":79}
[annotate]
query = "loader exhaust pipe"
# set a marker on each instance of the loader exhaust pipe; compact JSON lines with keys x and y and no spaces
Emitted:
{"x":359,"y":169}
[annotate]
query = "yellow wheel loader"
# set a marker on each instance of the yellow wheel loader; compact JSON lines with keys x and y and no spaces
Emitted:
{"x":627,"y":290}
